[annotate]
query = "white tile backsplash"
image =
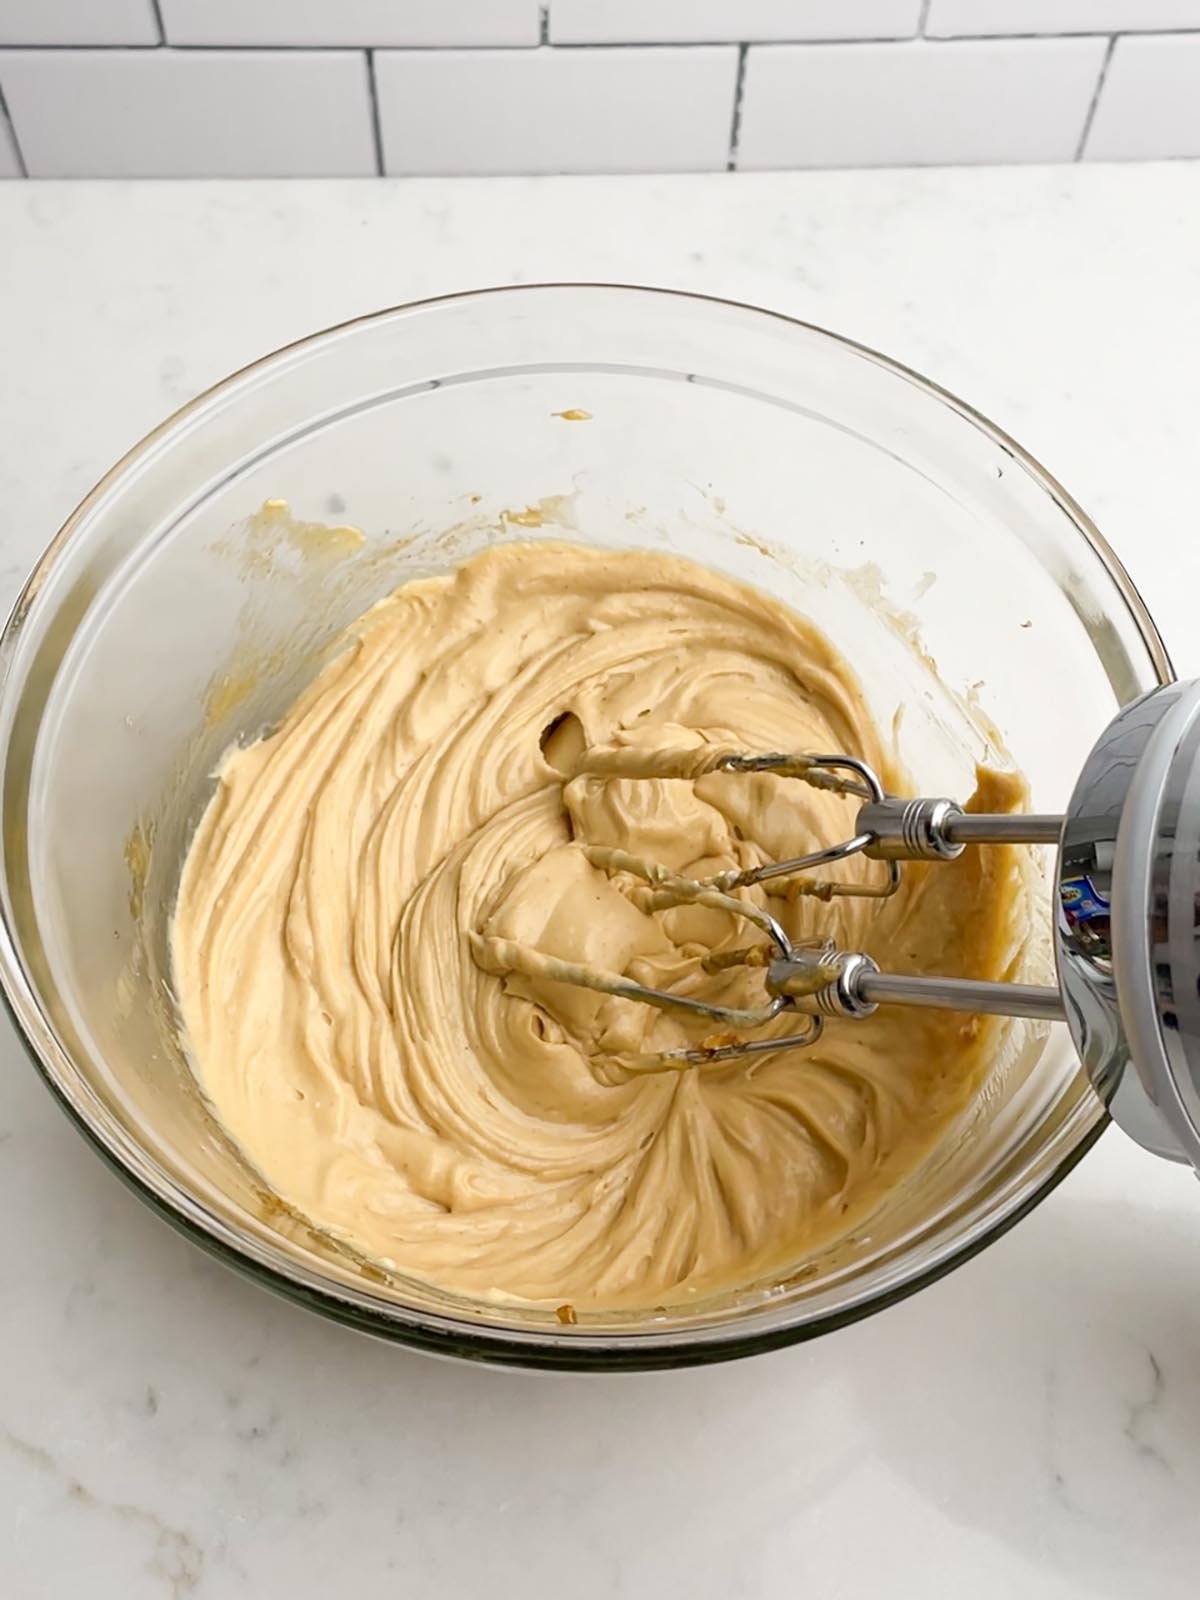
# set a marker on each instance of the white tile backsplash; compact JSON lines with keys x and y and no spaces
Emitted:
{"x":78,"y":22}
{"x":918,"y":103}
{"x":631,"y":110}
{"x":169,"y":113}
{"x":948,"y":18}
{"x":351,"y":22}
{"x":1150,"y":105}
{"x":688,"y":21}
{"x":320,"y":87}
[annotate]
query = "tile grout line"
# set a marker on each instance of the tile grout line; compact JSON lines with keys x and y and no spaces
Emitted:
{"x":543,"y":25}
{"x":156,"y":6}
{"x":923,"y":18}
{"x":611,"y":48}
{"x":376,"y":128}
{"x":7,"y":122}
{"x":735,"y":127}
{"x":1092,"y":109}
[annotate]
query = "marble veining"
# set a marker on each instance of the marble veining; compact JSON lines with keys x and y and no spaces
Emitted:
{"x":174,"y":1556}
{"x":1143,"y":1414}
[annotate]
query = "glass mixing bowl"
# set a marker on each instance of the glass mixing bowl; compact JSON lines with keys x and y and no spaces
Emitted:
{"x":172,"y":615}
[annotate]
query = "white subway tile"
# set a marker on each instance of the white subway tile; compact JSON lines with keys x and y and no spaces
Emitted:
{"x":351,"y":22}
{"x":172,"y":113}
{"x":77,"y":22}
{"x":683,"y":21}
{"x":1150,"y":103}
{"x":657,"y":110}
{"x":948,"y":18}
{"x":874,"y":105}
{"x":10,"y":162}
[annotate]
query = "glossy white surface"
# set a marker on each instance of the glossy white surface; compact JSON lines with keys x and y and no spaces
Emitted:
{"x":1150,"y":104}
{"x":946,"y":18}
{"x":350,"y":22}
{"x":190,"y":113}
{"x":1029,"y":1426}
{"x":917,"y":102}
{"x":657,"y":21}
{"x":635,"y":110}
{"x":103,"y":22}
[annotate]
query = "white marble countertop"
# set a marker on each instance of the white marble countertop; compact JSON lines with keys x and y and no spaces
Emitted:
{"x":1029,"y":1426}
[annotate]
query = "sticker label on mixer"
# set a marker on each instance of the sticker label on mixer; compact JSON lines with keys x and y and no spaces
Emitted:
{"x":1081,"y":900}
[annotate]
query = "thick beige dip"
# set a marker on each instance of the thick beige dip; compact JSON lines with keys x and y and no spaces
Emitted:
{"x":479,"y":1130}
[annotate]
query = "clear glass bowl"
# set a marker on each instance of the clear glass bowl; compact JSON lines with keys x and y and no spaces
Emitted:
{"x":167,"y":619}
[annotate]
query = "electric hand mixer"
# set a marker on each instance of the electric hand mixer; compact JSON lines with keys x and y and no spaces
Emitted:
{"x":1126,"y":914}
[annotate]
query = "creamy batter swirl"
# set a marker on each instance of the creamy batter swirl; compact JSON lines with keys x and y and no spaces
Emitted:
{"x":417,"y":805}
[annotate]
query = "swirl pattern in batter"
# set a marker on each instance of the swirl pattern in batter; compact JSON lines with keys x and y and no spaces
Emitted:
{"x":476,"y":1128}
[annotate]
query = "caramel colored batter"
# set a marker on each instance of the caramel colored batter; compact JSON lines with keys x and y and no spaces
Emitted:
{"x":355,"y":873}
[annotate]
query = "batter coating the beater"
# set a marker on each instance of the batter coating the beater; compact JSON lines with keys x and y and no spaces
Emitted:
{"x":416,"y":808}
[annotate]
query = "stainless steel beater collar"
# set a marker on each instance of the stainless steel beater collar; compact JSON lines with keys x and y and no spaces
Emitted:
{"x":824,"y":981}
{"x":925,"y":829}
{"x":910,"y":830}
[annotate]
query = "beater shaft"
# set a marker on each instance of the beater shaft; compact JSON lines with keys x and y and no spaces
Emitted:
{"x":925,"y":829}
{"x":965,"y":994}
{"x":849,"y":984}
{"x":1029,"y":827}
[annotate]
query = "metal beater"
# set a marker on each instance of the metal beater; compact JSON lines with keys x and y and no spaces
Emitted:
{"x":1126,"y":914}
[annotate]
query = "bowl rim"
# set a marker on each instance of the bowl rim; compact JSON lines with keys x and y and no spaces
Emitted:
{"x":576,"y":1347}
